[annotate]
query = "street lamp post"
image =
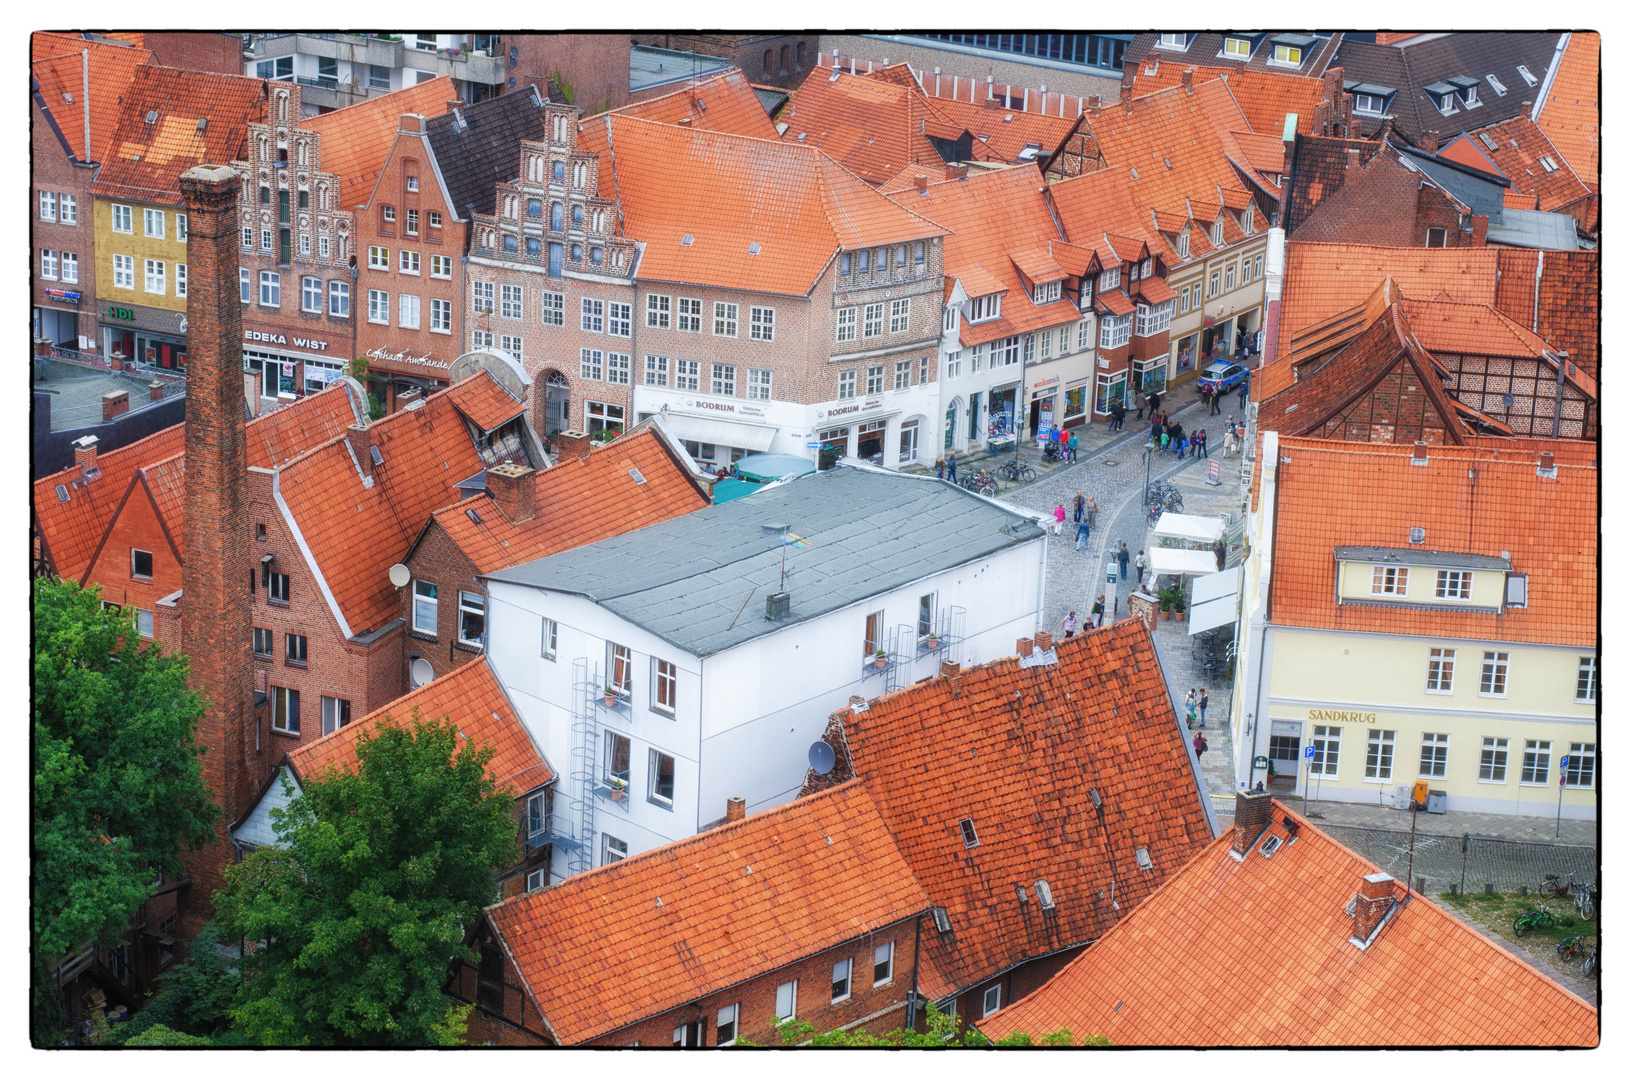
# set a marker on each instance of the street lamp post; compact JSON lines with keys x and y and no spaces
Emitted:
{"x":1149,"y":449}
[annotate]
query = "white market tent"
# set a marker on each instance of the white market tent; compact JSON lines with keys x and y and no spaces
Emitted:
{"x":1214,"y":600}
{"x":1203,"y":530}
{"x":1182,"y":561}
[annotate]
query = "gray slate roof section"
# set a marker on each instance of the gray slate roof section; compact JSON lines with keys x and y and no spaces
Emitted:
{"x":1483,"y":196}
{"x":487,"y":150}
{"x":686,"y":579}
{"x":1535,"y":229}
{"x":1449,"y":560}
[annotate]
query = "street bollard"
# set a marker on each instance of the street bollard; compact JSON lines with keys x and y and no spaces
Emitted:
{"x":1489,"y":889}
{"x":1421,"y":885}
{"x":1523,"y":890}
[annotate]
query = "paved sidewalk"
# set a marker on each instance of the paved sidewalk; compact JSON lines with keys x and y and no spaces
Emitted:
{"x":1451,"y":823}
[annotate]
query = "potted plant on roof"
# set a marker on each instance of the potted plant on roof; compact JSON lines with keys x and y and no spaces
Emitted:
{"x":879,"y":659}
{"x":1178,"y":603}
{"x":619,"y":786}
{"x":611,"y":697}
{"x":1166,"y":603}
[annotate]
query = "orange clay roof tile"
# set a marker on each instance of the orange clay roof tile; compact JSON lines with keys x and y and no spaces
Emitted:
{"x":1568,"y":295}
{"x":59,"y":67}
{"x":666,"y":927}
{"x":471,"y":697}
{"x":1569,"y":115}
{"x":721,"y":102}
{"x":570,"y":502}
{"x":1257,"y":953}
{"x":1520,"y":144}
{"x":357,"y":139}
{"x":870,"y":125}
{"x":1264,"y":97}
{"x":487,"y":410}
{"x":1006,"y":132}
{"x":1335,"y":493}
{"x":143,"y":160}
{"x":728,"y":192}
{"x":1017,"y":750}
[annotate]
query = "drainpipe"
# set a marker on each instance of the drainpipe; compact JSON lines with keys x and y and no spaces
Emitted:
{"x":85,"y":96}
{"x":911,"y":998}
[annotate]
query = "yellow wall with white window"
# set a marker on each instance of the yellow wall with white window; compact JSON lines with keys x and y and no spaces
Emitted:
{"x":1358,"y":582}
{"x":140,"y":247}
{"x":1364,"y":682}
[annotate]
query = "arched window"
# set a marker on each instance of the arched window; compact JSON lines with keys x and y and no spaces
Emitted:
{"x":555,"y":221}
{"x":560,"y":129}
{"x":600,"y":221}
{"x":801,"y":54}
{"x":535,"y":168}
{"x":767,"y":68}
{"x":580,"y":174}
{"x":784,"y":57}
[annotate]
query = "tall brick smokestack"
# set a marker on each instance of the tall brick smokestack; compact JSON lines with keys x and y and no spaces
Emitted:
{"x":215,"y":608}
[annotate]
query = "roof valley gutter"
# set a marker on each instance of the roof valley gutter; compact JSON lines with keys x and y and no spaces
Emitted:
{"x":1551,"y":74}
{"x":306,"y":552}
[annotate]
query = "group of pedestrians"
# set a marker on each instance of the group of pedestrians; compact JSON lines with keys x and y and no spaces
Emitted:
{"x":1192,"y":705}
{"x":945,"y":468}
{"x":1063,"y":440}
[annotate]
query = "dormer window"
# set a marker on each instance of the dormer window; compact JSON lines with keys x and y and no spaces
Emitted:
{"x":1369,"y":104}
{"x":1286,"y":54}
{"x":1237,"y":48}
{"x":1109,"y":279}
{"x":1247,"y":218}
{"x":1047,"y":292}
{"x":1174,"y":41}
{"x":1466,"y":88}
{"x":1389,"y":580}
{"x":985,"y":308}
{"x":1217,"y":231}
{"x":1183,"y":244}
{"x":1144,"y":270}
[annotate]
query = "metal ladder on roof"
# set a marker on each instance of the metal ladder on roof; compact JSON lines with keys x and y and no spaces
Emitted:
{"x":585,"y":738}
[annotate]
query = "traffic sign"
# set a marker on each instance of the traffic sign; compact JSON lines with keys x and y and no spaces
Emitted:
{"x":1308,"y":751}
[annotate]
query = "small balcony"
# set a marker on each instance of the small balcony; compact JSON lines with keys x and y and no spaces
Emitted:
{"x":609,"y":793}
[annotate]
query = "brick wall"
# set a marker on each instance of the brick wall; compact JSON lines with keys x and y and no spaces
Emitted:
{"x":593,"y":68}
{"x":135,"y":528}
{"x":220,"y":53}
{"x":54,"y":172}
{"x":766,"y":59}
{"x":1435,"y":210}
{"x":440,"y":561}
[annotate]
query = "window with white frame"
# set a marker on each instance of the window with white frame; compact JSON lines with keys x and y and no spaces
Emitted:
{"x":761,"y":324}
{"x":1047,"y":292}
{"x":656,"y":370}
{"x":1084,"y":334}
{"x":846,"y":385}
{"x":954,"y":364}
{"x":153,"y":223}
{"x":509,"y":302}
{"x":1379,"y":754}
{"x":759,"y":384}
{"x":305,"y":245}
{"x":271,"y":288}
{"x":725,"y":1032}
{"x":70,"y":215}
{"x":787,"y":1000}
{"x":620,"y":668}
{"x":441,"y":266}
{"x":424,"y":608}
{"x":243,"y":283}
{"x":48,"y":264}
{"x":379,"y":258}
{"x":687,"y":374}
{"x":155,"y":277}
{"x":1288,"y":55}
{"x":612,"y":849}
{"x":1581,"y":770}
{"x":908,"y":441}
{"x":1237,"y":48}
{"x":1492,"y":760}
{"x":1369,"y":104}
{"x":1109,"y":278}
{"x":724,"y":319}
{"x":1389,"y":580}
{"x":1114,"y":330}
{"x":1213,"y":284}
{"x":1585,"y":682}
{"x":122,"y":219}
{"x":181,"y":221}
{"x":657,"y":311}
{"x":1045,"y":344}
{"x":665,"y":682}
{"x":379,"y":306}
{"x":991,"y":1000}
{"x":1327,"y":743}
{"x":724,"y":380}
{"x":70,"y":272}
{"x":481,"y":292}
{"x":872,"y":321}
{"x":1030,"y":347}
{"x":900,"y":312}
{"x":660,"y":779}
{"x":266,"y":239}
{"x":339,"y":299}
{"x":1007,"y":350}
{"x":689,"y":316}
{"x":985,"y":308}
{"x":618,"y":368}
{"x":883,"y":964}
{"x":407,"y":311}
{"x":1440,"y":670}
{"x":1453,"y":585}
{"x":286,"y":710}
{"x":903,"y":374}
{"x":619,"y":319}
{"x":410,"y":224}
{"x":1537,"y":761}
{"x":846,"y":324}
{"x":1492,"y":681}
{"x":1257,"y":268}
{"x":1154,"y":320}
{"x":976,"y":360}
{"x":548,"y":639}
{"x":511,"y":343}
{"x":481,"y":339}
{"x":840,"y":980}
{"x":1172,"y":41}
{"x":592,"y":318}
{"x":311,"y":294}
{"x":874,"y":379}
{"x":1435,"y":754}
{"x":1229,"y":277}
{"x":48,"y":206}
{"x":441,"y":316}
{"x":124,"y":272}
{"x":591,"y":364}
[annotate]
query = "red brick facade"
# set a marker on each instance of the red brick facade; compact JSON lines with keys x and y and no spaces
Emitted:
{"x":439,"y":560}
{"x":64,"y":183}
{"x":220,"y":53}
{"x":766,"y":59}
{"x":591,"y":69}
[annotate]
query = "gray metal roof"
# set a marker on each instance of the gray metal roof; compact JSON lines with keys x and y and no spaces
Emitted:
{"x":1534,"y":229}
{"x":699,"y":581}
{"x":1482,"y":194}
{"x":649,"y":67}
{"x":1450,"y":560}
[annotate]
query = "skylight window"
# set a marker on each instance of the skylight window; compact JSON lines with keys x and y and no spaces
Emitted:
{"x":1548,"y":164}
{"x":1044,"y":895}
{"x":1484,"y":138}
{"x":942,"y":922}
{"x":1528,"y":78}
{"x":1495,"y":84}
{"x":970,"y":838}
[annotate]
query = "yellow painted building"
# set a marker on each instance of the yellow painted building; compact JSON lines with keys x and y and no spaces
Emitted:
{"x":1460,"y":652}
{"x":1226,"y":287}
{"x":141,"y":280}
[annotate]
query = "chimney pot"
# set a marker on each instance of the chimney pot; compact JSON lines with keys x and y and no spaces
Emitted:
{"x":1253,"y":813}
{"x":155,"y":391}
{"x":736,"y":808}
{"x":85,"y":451}
{"x":1188,"y":78}
{"x":1525,"y":108}
{"x":361,"y":438}
{"x":1024,"y":646}
{"x":511,"y":487}
{"x":1546,"y":461}
{"x":1429,"y":141}
{"x":115,"y":403}
{"x":921,"y":182}
{"x":570,"y":444}
{"x":1371,"y":906}
{"x":1044,"y":640}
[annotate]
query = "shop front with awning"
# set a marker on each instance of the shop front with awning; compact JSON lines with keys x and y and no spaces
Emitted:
{"x":1214,"y":600}
{"x":1193,"y":527}
{"x":1182,"y":563}
{"x":755,"y":438}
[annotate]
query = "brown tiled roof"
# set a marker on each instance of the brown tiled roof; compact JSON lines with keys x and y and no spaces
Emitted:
{"x":1018,"y":751}
{"x":1568,"y":295}
{"x":1519,"y":146}
{"x":469,"y":695}
{"x":728,"y":192}
{"x":145,"y":160}
{"x":357,"y":139}
{"x":571,"y":501}
{"x":59,"y":67}
{"x":1336,"y":493}
{"x":1569,"y":115}
{"x":1257,"y":953}
{"x":646,"y":934}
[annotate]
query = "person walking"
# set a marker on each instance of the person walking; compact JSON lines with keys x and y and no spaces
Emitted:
{"x":1245,"y":390}
{"x":1199,"y":744}
{"x":1081,"y":507}
{"x":1143,"y":403}
{"x":1189,"y":707}
{"x":951,"y":467}
{"x":1183,"y":446}
{"x":1073,"y":446}
{"x":1217,"y":396}
{"x":1141,"y":564}
{"x":1200,"y":704}
{"x":940,"y":468}
{"x":1219,"y":551}
{"x":1206,"y":451}
{"x":1059,"y":519}
{"x":1121,"y":559}
{"x":1092,"y":512}
{"x":1164,"y":438}
{"x":1155,"y":401}
{"x":1084,"y":532}
{"x":1098,"y":611}
{"x":1068,"y":624}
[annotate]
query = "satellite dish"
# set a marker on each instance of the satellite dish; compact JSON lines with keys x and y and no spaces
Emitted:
{"x":400,"y":575}
{"x":822,"y":759}
{"x":420,"y":672}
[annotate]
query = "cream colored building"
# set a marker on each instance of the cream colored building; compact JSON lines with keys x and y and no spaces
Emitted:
{"x":1452,"y":643}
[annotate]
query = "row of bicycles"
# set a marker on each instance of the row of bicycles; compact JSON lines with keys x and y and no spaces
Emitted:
{"x":1163,"y":496}
{"x":984,"y":481}
{"x":1540,"y":917}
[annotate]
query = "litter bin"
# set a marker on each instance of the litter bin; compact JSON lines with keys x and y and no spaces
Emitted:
{"x":1436,"y":801}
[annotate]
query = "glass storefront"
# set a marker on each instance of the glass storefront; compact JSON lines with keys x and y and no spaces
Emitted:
{"x":1150,"y":376}
{"x":1076,"y":401}
{"x":834,"y":445}
{"x":162,"y":351}
{"x":1111,"y":388}
{"x":869,"y":444}
{"x":1187,"y":349}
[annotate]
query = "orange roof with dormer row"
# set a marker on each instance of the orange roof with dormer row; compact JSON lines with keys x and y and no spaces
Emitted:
{"x":60,"y":68}
{"x":646,"y":934}
{"x":469,"y":695}
{"x":357,"y":140}
{"x":1470,"y":499}
{"x":353,"y":531}
{"x":1020,"y":752}
{"x":1570,"y":114}
{"x":728,"y":193}
{"x":1257,"y":952}
{"x":570,"y":502}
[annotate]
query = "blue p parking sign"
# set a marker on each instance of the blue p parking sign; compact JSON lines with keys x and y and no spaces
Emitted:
{"x":1308,"y":751}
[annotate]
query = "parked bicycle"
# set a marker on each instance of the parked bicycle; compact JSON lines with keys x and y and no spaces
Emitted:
{"x":1586,"y":900}
{"x":978,"y":481}
{"x":1588,"y":966}
{"x":1536,"y":918}
{"x":1573,"y":948}
{"x":1555,"y":885}
{"x":1017,"y":471}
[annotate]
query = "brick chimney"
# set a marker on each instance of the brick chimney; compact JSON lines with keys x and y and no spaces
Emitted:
{"x":1375,"y":898}
{"x":511,"y":487}
{"x":1525,"y":109}
{"x":115,"y":403}
{"x":215,"y":608}
{"x":949,"y":667}
{"x":570,"y":444}
{"x":361,"y":438}
{"x":1188,"y":79}
{"x":736,"y":808}
{"x":1480,"y":229}
{"x":155,"y":391}
{"x":1253,"y":812}
{"x":957,"y":172}
{"x":1429,"y":141}
{"x":1126,"y":97}
{"x":1386,"y":130}
{"x":1024,"y":646}
{"x":1044,"y":640}
{"x":920,"y":182}
{"x":404,"y":398}
{"x":85,"y":452}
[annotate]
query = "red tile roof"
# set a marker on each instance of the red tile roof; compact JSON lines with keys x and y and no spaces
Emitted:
{"x":1568,"y":295}
{"x":354,"y":532}
{"x":59,"y":67}
{"x":728,"y":192}
{"x":357,"y":139}
{"x":1005,"y":132}
{"x":1264,"y":97}
{"x":643,"y":935}
{"x":724,"y":101}
{"x":1257,"y":953}
{"x":144,"y":161}
{"x":1520,"y":144}
{"x":870,"y":124}
{"x":1017,"y":750}
{"x":481,"y":406}
{"x":1333,"y":493}
{"x":1569,"y":115}
{"x":472,"y":697}
{"x":571,"y":501}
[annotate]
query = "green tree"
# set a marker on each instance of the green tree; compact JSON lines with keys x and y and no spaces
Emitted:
{"x":193,"y":997}
{"x":117,"y":788}
{"x":359,"y":913}
{"x":940,"y":1033}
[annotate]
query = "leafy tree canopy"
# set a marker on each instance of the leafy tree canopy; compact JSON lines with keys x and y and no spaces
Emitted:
{"x":116,"y":784}
{"x":361,"y":910}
